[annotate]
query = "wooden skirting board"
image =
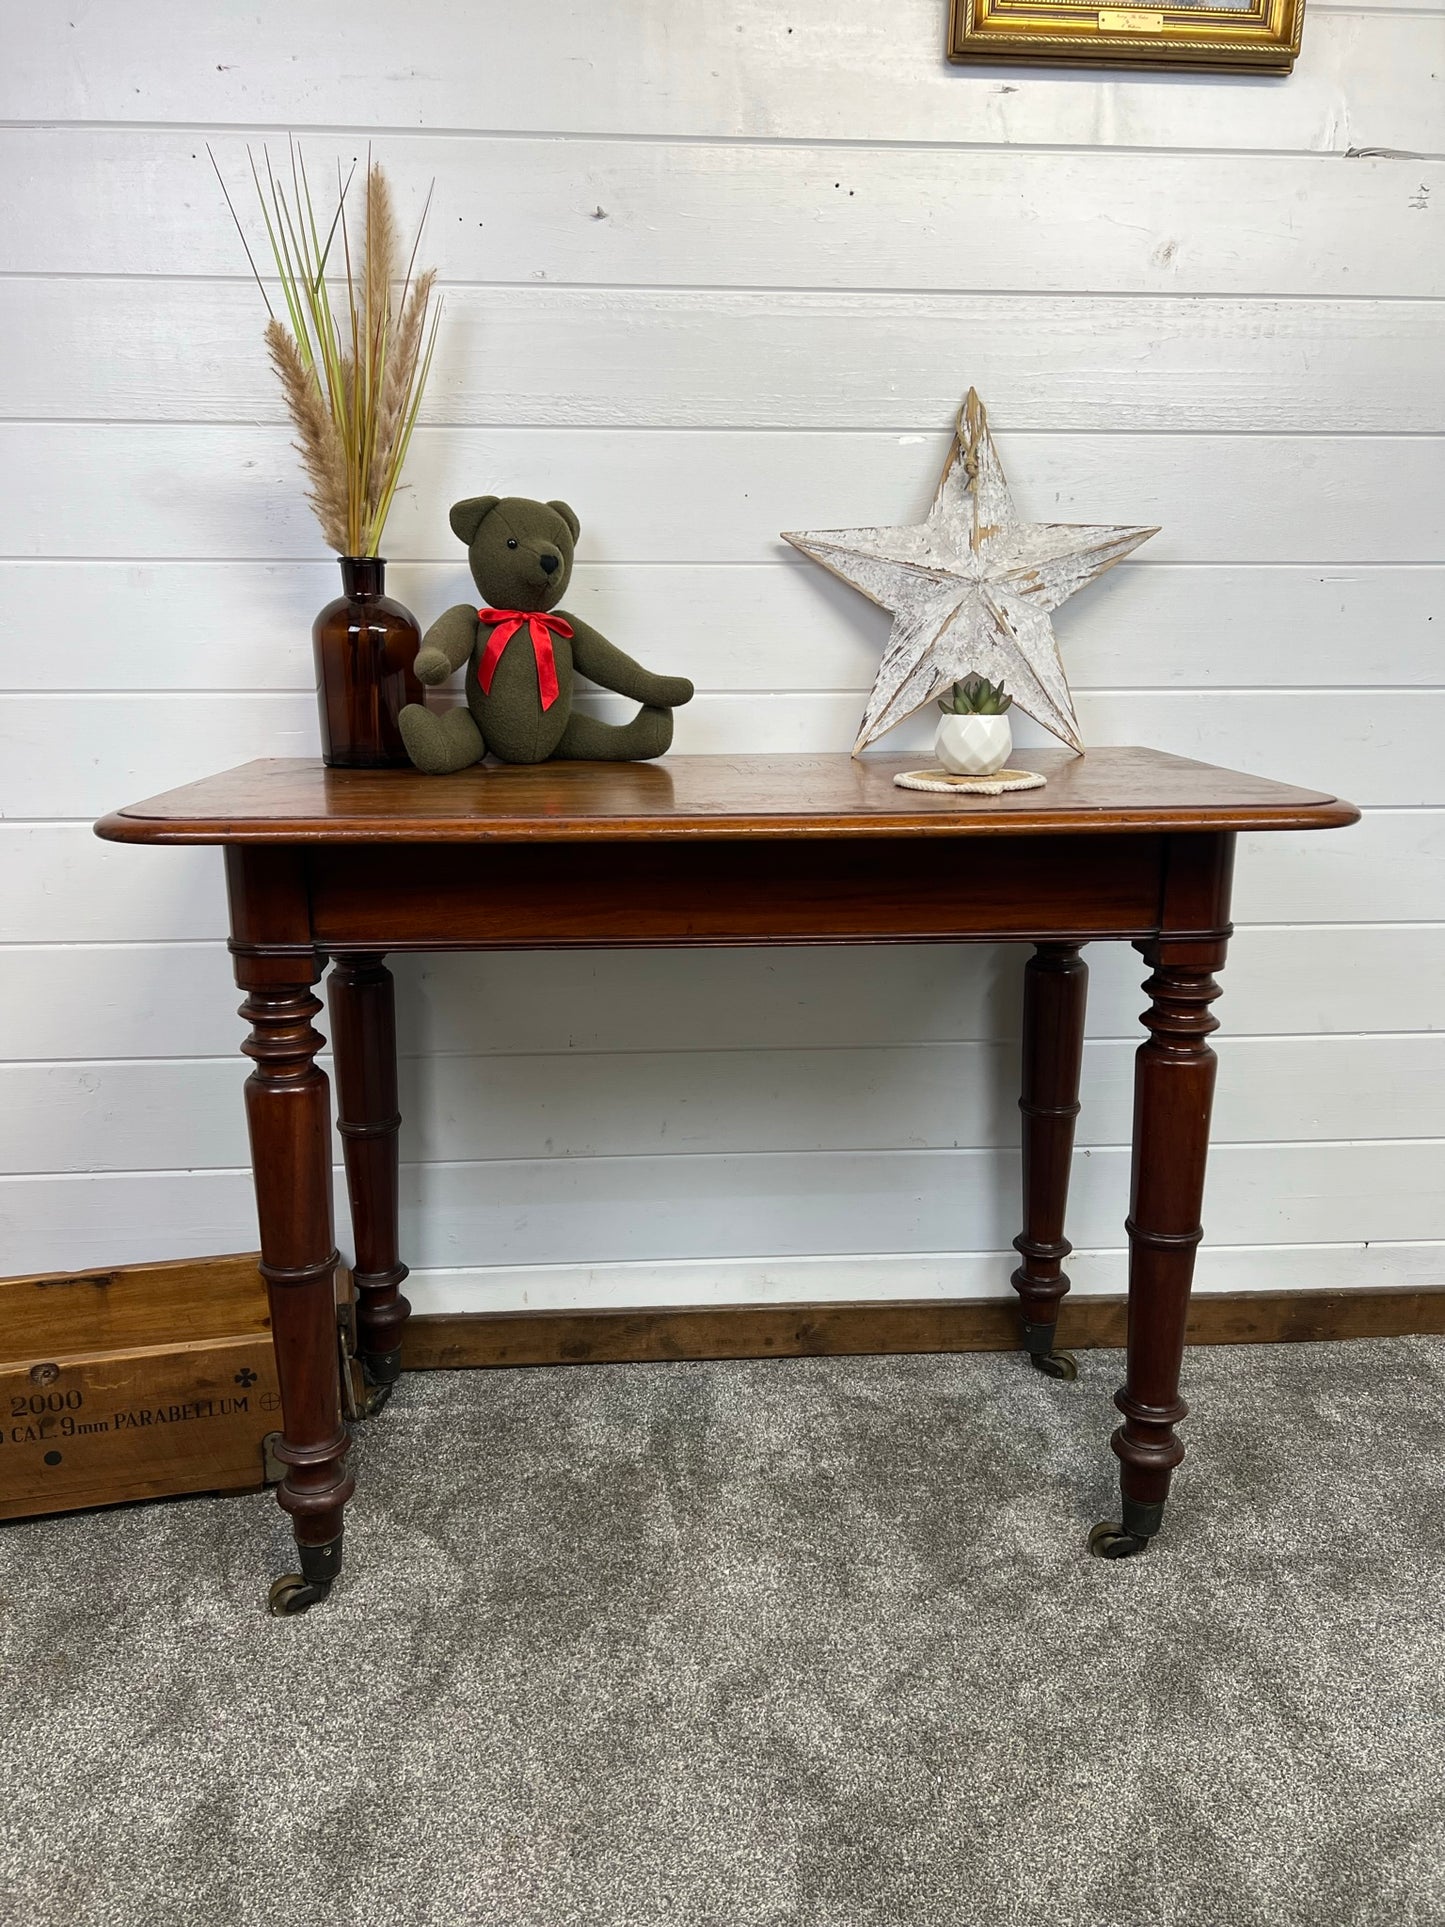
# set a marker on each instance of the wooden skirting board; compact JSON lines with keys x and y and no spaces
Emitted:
{"x":196,"y":1301}
{"x":443,"y":1340}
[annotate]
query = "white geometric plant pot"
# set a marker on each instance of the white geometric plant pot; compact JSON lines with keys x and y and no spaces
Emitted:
{"x":973,"y":745}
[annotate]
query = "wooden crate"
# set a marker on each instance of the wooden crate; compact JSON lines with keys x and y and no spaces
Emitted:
{"x":134,"y":1384}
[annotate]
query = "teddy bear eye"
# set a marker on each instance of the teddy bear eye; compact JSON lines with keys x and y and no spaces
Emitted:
{"x":511,"y":541}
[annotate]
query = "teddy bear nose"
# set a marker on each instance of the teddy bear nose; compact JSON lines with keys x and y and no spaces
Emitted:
{"x":549,"y":563}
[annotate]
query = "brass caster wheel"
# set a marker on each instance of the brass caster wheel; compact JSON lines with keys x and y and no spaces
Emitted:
{"x":375,"y":1397}
{"x":298,"y":1592}
{"x":380,"y":1374}
{"x":1110,"y":1541}
{"x":1055,"y":1364}
{"x":292,"y":1594}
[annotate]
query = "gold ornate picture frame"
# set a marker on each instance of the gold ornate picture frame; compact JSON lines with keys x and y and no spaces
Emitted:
{"x":1253,"y":36}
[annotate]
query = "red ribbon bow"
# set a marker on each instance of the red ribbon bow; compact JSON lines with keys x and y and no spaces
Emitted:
{"x":542,"y":627}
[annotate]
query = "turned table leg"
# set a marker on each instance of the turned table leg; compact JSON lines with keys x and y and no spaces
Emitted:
{"x":1056,"y":986}
{"x":287,"y":1113}
{"x":363,"y":1016}
{"x":1173,"y":1093}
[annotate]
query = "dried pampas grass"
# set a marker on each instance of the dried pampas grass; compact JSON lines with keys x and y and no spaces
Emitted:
{"x":317,"y":442}
{"x":352,"y":386}
{"x":396,"y":388}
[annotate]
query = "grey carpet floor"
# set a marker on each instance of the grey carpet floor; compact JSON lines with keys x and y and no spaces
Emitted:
{"x":808,"y":1642}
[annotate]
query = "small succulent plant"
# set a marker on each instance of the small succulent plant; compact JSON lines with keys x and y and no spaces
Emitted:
{"x":976,"y":696}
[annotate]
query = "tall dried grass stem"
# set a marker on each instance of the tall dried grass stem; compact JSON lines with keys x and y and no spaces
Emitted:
{"x":352,"y":381}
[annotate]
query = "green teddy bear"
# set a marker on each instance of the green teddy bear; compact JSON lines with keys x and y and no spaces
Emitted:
{"x":521,"y":652}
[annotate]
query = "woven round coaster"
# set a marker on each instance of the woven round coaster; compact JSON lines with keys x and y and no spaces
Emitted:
{"x":949,"y":785}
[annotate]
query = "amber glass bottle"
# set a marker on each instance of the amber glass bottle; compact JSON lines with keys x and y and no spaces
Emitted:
{"x":366,"y":648}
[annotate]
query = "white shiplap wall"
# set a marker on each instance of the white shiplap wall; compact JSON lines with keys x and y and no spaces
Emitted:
{"x":713,"y":272}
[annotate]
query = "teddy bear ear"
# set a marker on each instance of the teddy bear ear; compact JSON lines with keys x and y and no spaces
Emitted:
{"x":569,"y":516}
{"x":467,"y":517}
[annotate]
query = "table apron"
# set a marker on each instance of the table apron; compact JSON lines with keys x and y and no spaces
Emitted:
{"x":839,"y":890}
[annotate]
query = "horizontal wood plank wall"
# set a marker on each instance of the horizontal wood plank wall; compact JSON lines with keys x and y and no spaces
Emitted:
{"x":747,"y":71}
{"x":706,"y":359}
{"x":711,"y":279}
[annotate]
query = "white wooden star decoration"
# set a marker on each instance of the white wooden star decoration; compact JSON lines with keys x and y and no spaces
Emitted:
{"x":971,"y":589}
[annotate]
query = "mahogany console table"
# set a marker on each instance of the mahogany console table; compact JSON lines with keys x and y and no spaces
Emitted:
{"x":1123,"y":844}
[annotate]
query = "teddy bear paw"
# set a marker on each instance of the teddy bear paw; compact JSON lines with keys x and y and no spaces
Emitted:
{"x":440,"y":743}
{"x":432,"y":666}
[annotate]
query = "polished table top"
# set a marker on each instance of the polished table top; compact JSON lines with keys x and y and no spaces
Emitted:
{"x":707,"y":797}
